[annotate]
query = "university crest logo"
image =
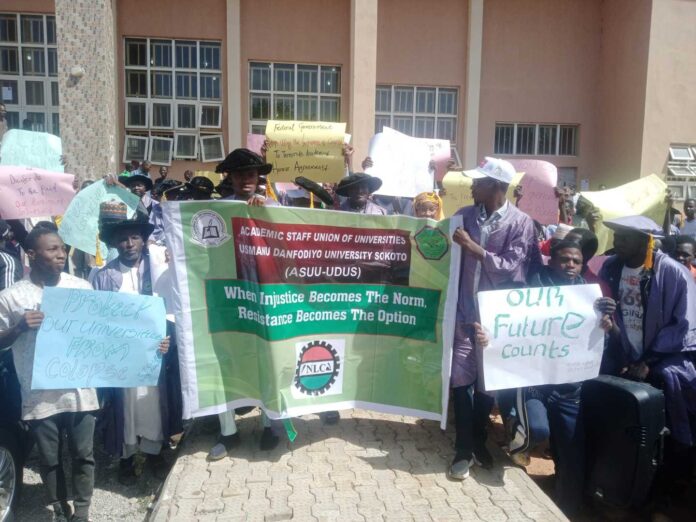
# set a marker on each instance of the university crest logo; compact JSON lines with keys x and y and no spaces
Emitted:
{"x":319,"y":369}
{"x":208,"y":229}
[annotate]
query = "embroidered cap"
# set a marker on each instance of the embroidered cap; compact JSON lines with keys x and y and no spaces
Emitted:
{"x":495,"y":168}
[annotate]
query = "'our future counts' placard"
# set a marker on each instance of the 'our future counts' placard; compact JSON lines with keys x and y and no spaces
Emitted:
{"x":547,"y":335}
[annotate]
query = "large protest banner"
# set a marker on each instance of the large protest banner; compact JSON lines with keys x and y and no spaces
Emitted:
{"x":546,"y":335}
{"x":30,"y":192}
{"x":98,"y":339}
{"x":300,"y":311}
{"x":313,"y":149}
{"x":645,"y":197}
{"x":21,"y":148}
{"x":80,"y":225}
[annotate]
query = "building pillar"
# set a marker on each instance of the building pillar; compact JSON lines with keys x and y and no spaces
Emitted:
{"x":233,"y":44}
{"x":473,"y":83}
{"x":363,"y":75}
{"x":86,"y":36}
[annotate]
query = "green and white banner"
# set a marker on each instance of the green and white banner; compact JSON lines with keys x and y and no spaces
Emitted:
{"x":301,"y":311}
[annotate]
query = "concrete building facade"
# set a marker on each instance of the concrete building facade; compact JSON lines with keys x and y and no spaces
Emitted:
{"x":600,"y":88}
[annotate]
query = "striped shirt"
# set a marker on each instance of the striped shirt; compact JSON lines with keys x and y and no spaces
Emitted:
{"x":11,"y":270}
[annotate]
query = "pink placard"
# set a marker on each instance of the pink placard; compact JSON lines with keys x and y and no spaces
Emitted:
{"x":538,"y":197}
{"x":30,"y":192}
{"x":255,"y":142}
{"x":440,"y":155}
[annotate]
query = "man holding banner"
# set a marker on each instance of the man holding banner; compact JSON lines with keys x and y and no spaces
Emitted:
{"x":498,"y":245}
{"x":242,"y":169}
{"x":51,"y":414}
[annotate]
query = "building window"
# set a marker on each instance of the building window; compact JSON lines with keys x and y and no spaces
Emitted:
{"x":534,"y":139}
{"x":286,"y":91}
{"x":421,"y":112}
{"x":212,"y":148}
{"x":186,"y":146}
{"x":135,"y":148}
{"x":28,"y":71}
{"x":682,"y":161}
{"x":172,"y":85}
{"x":160,"y":150}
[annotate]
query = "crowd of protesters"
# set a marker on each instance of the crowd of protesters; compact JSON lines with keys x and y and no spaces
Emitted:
{"x":648,"y":315}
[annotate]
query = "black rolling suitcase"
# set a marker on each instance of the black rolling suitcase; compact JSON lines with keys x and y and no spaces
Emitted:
{"x":625,"y":427}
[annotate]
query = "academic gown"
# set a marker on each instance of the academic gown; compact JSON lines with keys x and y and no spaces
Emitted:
{"x":511,"y":250}
{"x":111,"y":420}
{"x":668,"y":294}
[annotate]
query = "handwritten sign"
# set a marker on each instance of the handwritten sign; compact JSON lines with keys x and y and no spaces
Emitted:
{"x":313,"y":149}
{"x":540,"y":336}
{"x":644,"y":197}
{"x":29,"y":192}
{"x":538,"y":198}
{"x":401,"y":162}
{"x":80,"y":225}
{"x":22,"y":148}
{"x":92,"y":339}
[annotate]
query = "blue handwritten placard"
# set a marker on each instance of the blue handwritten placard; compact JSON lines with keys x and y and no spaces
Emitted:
{"x":22,"y":148}
{"x":93,"y":339}
{"x":80,"y":224}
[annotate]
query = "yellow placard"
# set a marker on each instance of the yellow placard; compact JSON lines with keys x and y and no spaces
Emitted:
{"x":313,"y":149}
{"x":644,"y":197}
{"x":458,"y":191}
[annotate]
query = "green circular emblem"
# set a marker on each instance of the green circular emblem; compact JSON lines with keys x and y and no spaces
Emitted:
{"x":431,"y":243}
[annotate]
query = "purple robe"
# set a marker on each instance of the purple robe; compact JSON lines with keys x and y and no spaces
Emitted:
{"x":669,"y":336}
{"x":511,"y":248}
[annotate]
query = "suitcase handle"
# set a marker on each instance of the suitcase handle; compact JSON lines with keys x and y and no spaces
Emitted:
{"x":660,"y":442}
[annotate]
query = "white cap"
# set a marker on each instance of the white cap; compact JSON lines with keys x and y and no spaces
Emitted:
{"x":495,"y":168}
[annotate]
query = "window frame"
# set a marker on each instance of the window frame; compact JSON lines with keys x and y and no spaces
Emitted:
{"x":172,"y":69}
{"x":271,"y":92}
{"x":203,"y":137}
{"x":152,"y":139}
{"x":151,"y":120}
{"x":178,"y":135}
{"x":143,"y":101}
{"x":47,"y":78}
{"x":687,"y":148}
{"x":414,"y":115}
{"x":196,"y":109}
{"x":200,"y":116}
{"x":146,"y":139}
{"x":537,"y":129}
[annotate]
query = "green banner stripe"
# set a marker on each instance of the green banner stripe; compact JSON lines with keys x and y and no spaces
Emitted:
{"x":283,"y":311}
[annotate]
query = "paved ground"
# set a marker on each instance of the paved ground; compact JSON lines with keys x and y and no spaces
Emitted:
{"x":368,"y":467}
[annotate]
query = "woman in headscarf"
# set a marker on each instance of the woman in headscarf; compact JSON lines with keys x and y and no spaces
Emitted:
{"x":428,"y":205}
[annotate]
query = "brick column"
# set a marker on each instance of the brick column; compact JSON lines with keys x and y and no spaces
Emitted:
{"x":88,"y":118}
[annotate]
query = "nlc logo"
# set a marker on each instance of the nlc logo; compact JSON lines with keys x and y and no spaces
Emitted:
{"x":319,"y":367}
